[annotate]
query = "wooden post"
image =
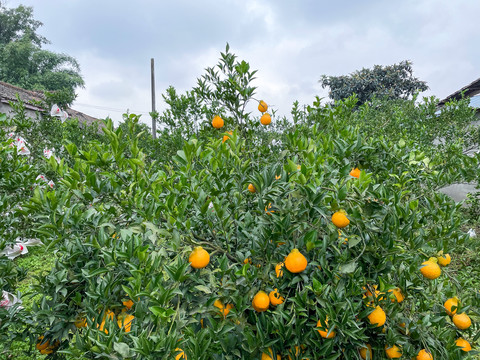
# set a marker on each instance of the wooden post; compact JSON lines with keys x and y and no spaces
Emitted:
{"x":154,"y":118}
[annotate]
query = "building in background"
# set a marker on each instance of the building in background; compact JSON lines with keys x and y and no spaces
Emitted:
{"x":34,"y":102}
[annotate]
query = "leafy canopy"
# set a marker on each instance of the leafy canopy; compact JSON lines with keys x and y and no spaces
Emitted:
{"x":392,"y":82}
{"x":24,"y":63}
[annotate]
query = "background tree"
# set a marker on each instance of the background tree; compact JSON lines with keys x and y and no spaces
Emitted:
{"x":19,"y":23}
{"x":392,"y":82}
{"x":24,"y":63}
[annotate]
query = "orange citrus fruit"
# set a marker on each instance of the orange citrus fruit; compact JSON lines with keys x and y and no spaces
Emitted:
{"x":324,"y":333}
{"x":377,"y":316}
{"x":269,"y":356}
{"x":449,"y":304}
{"x":295,"y":261}
{"x":125,"y":321}
{"x":199,"y":258}
{"x":261,"y":301}
{"x":340,"y":220}
{"x":393,"y":352}
{"x":355,"y":173}
{"x":224,"y":309}
{"x":80,"y":322}
{"x":424,"y":355}
{"x":275,"y":298}
{"x":217,"y":122}
{"x":444,"y":260}
{"x":109,"y":314}
{"x":40,"y":344}
{"x":251,"y":188}
{"x":266,"y":119}
{"x":430,"y":269}
{"x":226,"y":137}
{"x":268,"y":209}
{"x":366,"y":350}
{"x":278,"y":269}
{"x":399,"y":297}
{"x":180,"y":355}
{"x":262,"y":106}
{"x":463,"y":344}
{"x":462,"y":321}
{"x":128,"y":304}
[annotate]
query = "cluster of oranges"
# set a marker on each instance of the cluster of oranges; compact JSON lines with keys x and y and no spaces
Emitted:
{"x":296,"y":262}
{"x":265,"y":119}
{"x":45,"y":347}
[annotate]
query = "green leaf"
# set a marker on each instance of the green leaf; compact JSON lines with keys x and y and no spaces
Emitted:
{"x":162,"y":312}
{"x":122,"y":348}
{"x":342,"y":192}
{"x":353,"y":241}
{"x":203,"y":288}
{"x":348,"y":268}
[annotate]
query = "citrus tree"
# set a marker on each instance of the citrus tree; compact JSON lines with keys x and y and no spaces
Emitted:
{"x":317,"y":242}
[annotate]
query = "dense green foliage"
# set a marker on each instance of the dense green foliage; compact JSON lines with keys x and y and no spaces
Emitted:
{"x":24,"y":63}
{"x":392,"y":82}
{"x":127,"y":210}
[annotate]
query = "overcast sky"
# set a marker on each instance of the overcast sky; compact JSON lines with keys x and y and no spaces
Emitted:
{"x":291,"y":44}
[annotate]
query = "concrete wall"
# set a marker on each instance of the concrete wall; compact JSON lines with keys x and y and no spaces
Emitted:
{"x":6,"y":109}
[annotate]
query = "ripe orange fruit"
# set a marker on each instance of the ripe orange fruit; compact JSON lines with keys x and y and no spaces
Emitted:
{"x":377,"y":316}
{"x":297,"y":352}
{"x":278,"y":269}
{"x":125,"y":321}
{"x":463,"y":344}
{"x":398,"y":295}
{"x":217,"y":122}
{"x":355,"y":173}
{"x":430,"y":269}
{"x":109,"y":314}
{"x":340,"y":220}
{"x":368,"y":293}
{"x":266,"y":119}
{"x":223,"y":309}
{"x":324,"y":333}
{"x":247,"y":261}
{"x":128,"y":304}
{"x":393,"y":352}
{"x":262,"y":106}
{"x":251,"y":188}
{"x":80,"y":322}
{"x":180,"y":355}
{"x":226,"y":137}
{"x":199,"y":258}
{"x":40,"y":344}
{"x":424,"y":355}
{"x":444,"y":260}
{"x":462,"y":321}
{"x":261,"y":301}
{"x":449,"y":304}
{"x":269,"y":355}
{"x":295,"y":261}
{"x":366,"y":350}
{"x":275,"y":298}
{"x":268,"y":210}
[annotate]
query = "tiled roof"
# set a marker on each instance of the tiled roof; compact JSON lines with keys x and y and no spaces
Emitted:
{"x":32,"y":99}
{"x":9,"y":92}
{"x":468,"y":91}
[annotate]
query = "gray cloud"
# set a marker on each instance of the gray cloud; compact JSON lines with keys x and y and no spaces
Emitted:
{"x":291,"y":43}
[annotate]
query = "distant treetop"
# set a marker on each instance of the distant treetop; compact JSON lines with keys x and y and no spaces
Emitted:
{"x":393,"y":81}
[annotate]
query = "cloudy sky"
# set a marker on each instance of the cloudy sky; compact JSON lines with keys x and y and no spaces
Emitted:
{"x":291,"y":44}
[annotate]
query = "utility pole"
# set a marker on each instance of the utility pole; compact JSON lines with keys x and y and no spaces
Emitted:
{"x":154,"y":117}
